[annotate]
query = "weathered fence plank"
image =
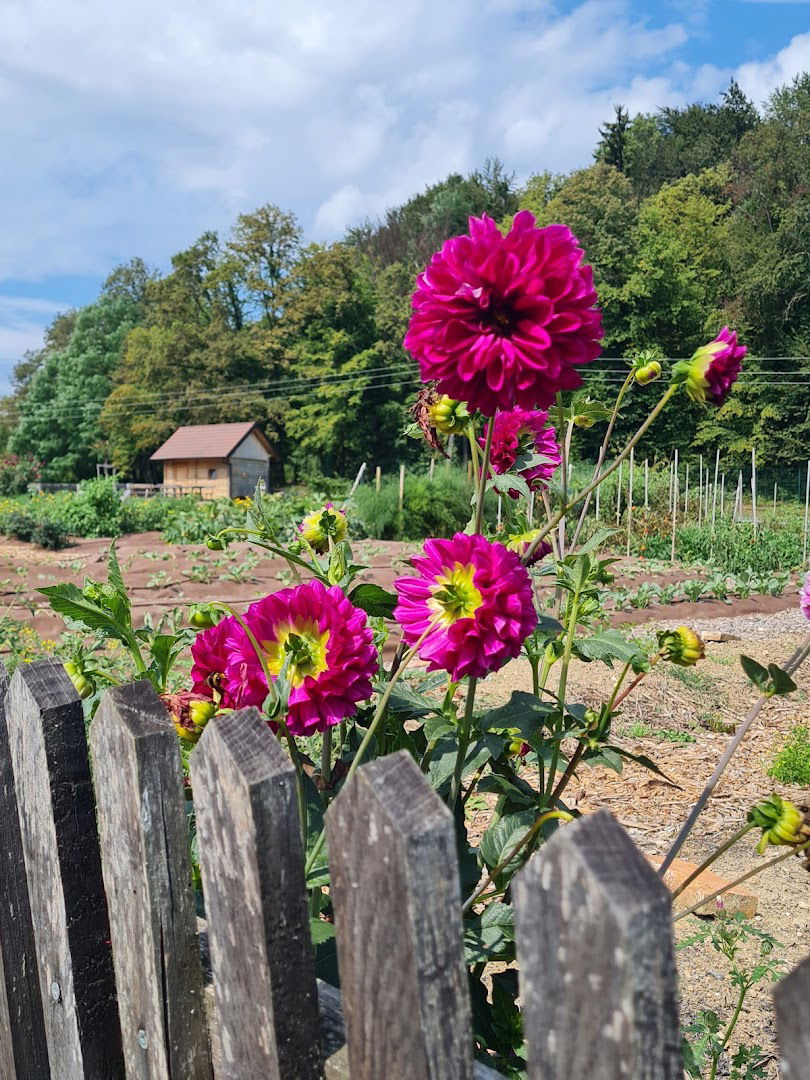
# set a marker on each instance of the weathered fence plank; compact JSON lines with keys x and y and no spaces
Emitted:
{"x":63,"y":867}
{"x":253,"y":878}
{"x":23,"y":1049}
{"x":395,"y":889}
{"x":597,"y":968}
{"x":792,"y":998}
{"x":143,"y":829}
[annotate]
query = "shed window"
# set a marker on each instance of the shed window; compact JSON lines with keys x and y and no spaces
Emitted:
{"x":212,"y":474}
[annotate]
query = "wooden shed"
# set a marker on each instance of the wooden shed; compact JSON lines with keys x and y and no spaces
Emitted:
{"x":217,"y":460}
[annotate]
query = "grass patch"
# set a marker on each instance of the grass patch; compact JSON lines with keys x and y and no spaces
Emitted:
{"x":792,"y":763}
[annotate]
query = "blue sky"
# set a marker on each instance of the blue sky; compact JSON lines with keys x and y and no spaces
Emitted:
{"x":129,"y":128}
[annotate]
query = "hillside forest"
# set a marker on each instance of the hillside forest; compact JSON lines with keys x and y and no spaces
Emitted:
{"x":692,"y":218}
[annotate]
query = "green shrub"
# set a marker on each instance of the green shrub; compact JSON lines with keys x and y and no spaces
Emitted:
{"x":735,"y":549}
{"x":792,"y":763}
{"x":16,"y":473}
{"x":21,"y":526}
{"x":150,"y":515}
{"x":95,"y":510}
{"x":53,"y":535}
{"x":437,"y":507}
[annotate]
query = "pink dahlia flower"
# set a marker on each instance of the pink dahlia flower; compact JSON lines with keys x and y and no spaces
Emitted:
{"x":210,"y":655}
{"x":500,"y":321}
{"x":327,"y":645}
{"x":713,"y":370}
{"x":475,"y":600}
{"x":518,"y":432}
{"x":804,"y":598}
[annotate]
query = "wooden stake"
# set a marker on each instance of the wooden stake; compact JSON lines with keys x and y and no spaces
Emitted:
{"x":754,"y":488}
{"x":646,"y":484}
{"x":722,"y":495}
{"x":774,"y":498}
{"x":598,"y":490}
{"x":450,"y":444}
{"x":619,"y":495}
{"x":686,"y":492}
{"x":630,"y":500}
{"x":714,"y":489}
{"x":500,"y":509}
{"x":401,"y":487}
{"x":806,"y":512}
{"x":432,"y":467}
{"x":378,"y":479}
{"x":700,"y":490}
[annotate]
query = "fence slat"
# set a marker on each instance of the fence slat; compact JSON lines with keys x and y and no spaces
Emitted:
{"x":60,"y":843}
{"x":143,"y":831}
{"x":253,"y":878}
{"x":597,"y":968}
{"x":791,"y":997}
{"x":396,"y":894}
{"x":23,"y":1049}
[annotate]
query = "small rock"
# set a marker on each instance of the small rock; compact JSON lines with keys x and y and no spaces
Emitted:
{"x":705,"y":884}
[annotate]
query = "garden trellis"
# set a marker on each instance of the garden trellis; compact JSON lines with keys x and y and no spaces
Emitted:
{"x":82,"y":853}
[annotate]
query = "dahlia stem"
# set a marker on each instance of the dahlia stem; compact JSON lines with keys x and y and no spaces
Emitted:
{"x":563,"y":685}
{"x":668,"y":393}
{"x":482,"y":480}
{"x":738,"y":835}
{"x":792,"y":850}
{"x":603,"y":453}
{"x":795,"y":661}
{"x":326,"y":755}
{"x":463,"y":742}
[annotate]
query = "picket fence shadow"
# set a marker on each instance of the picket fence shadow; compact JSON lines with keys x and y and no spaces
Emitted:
{"x":103,"y":975}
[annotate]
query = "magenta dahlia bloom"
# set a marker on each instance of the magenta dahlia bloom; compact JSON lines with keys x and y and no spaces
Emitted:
{"x":713,"y":369}
{"x":476,"y":598}
{"x":500,"y":321}
{"x":516,"y":432}
{"x":804,"y":598}
{"x":327,"y":644}
{"x":210,"y":655}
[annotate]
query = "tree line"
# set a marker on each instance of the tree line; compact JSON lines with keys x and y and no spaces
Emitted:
{"x":692,"y":217}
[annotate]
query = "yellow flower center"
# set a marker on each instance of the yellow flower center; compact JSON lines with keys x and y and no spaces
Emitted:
{"x":455,"y":595}
{"x":302,"y":647}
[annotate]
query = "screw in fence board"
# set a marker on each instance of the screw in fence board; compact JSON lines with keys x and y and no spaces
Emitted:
{"x":597,"y":966}
{"x":791,"y":996}
{"x":396,"y":895}
{"x":252,"y":867}
{"x":23,"y":1049}
{"x":69,"y":909}
{"x":143,"y":830}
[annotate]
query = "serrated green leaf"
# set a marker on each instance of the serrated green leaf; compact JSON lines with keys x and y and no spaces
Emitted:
{"x":374,"y":600}
{"x":320,"y":931}
{"x":610,"y":645}
{"x":69,"y":601}
{"x":410,"y":703}
{"x":501,"y":837}
{"x":600,"y":537}
{"x":506,"y":482}
{"x":443,"y":762}
{"x":524,"y":713}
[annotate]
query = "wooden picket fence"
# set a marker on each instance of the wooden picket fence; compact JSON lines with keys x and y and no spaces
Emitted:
{"x":100,"y":946}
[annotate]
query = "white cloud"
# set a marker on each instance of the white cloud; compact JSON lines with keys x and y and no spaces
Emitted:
{"x":758,"y":78}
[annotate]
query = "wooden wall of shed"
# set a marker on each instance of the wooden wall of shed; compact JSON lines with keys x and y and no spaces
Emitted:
{"x":194,"y":476}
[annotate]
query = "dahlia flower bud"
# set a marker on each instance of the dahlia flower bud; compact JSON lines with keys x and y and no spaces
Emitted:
{"x":84,"y":686}
{"x":682,"y":646}
{"x":202,"y":617}
{"x":804,"y":598}
{"x":189,"y":713}
{"x":449,"y":416}
{"x":782,"y":823}
{"x":582,"y":420}
{"x":713,"y":369}
{"x":647,"y":373}
{"x":318,"y":527}
{"x":517,"y":745}
{"x":521,"y":542}
{"x":213,"y":543}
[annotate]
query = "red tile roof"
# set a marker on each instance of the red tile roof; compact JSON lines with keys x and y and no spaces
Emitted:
{"x":206,"y":441}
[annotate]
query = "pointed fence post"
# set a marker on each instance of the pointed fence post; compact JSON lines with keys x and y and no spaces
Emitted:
{"x":23,"y":1049}
{"x":143,"y":830}
{"x":253,"y":877}
{"x":396,"y":894}
{"x":791,"y":996}
{"x":69,"y":909}
{"x":597,"y":966}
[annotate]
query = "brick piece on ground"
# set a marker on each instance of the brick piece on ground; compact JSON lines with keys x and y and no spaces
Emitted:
{"x":705,"y":884}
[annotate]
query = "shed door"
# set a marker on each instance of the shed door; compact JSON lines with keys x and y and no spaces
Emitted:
{"x":245,"y":474}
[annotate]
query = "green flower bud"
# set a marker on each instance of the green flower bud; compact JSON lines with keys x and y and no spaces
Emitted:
{"x":781,"y":821}
{"x":647,"y":373}
{"x":682,"y":646}
{"x":582,"y":420}
{"x":85,"y":687}
{"x":449,"y":416}
{"x":202,"y":617}
{"x":213,"y":543}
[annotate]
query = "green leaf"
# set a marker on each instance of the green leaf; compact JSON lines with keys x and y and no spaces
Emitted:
{"x":506,"y":482}
{"x":755,"y":672}
{"x":548,"y":626}
{"x":501,"y":837}
{"x":410,"y":703}
{"x":642,"y":759}
{"x":780,"y":680}
{"x":490,"y":936}
{"x":437,"y":726}
{"x":320,"y":931}
{"x":600,"y":537}
{"x":114,"y":574}
{"x":443,"y":762}
{"x":610,"y":645}
{"x":374,"y":600}
{"x":504,"y":786}
{"x":524,"y":713}
{"x":69,"y":601}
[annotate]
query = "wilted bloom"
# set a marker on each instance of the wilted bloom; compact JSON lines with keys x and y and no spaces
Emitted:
{"x":319,"y":526}
{"x":189,"y":712}
{"x":500,"y":321}
{"x":647,"y":373}
{"x":475,"y":600}
{"x":521,"y":542}
{"x":804,"y":598}
{"x":713,"y":370}
{"x":682,"y":646}
{"x":321,"y":641}
{"x":519,"y":432}
{"x":781,"y":821}
{"x":210,"y":655}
